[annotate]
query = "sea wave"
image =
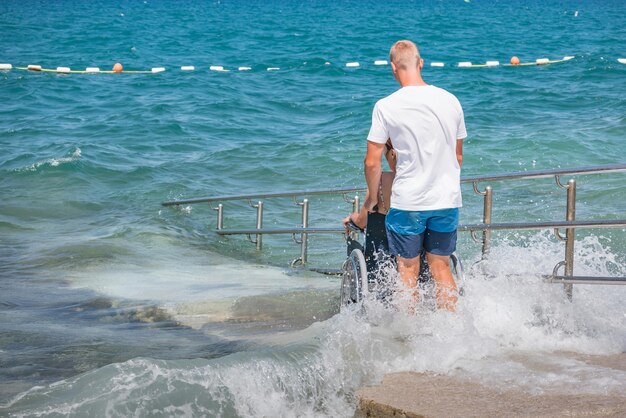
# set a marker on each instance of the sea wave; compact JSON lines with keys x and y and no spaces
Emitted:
{"x":70,"y":158}
{"x":511,"y":330}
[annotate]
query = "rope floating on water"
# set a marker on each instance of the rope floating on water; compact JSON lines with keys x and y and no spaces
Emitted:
{"x":117,"y":69}
{"x":67,"y":70}
{"x":514,"y":63}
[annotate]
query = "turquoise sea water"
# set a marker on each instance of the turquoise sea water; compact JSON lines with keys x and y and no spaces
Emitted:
{"x":113,"y":305}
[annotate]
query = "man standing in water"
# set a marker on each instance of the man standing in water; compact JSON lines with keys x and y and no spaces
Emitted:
{"x":426,"y":127}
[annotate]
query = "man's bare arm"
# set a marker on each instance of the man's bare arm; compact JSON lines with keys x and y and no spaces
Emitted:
{"x":459,"y":151}
{"x":373,"y":171}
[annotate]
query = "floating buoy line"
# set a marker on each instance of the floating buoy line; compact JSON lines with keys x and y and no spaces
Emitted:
{"x":118,"y":69}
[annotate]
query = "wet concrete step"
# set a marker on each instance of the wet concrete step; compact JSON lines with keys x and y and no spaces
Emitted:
{"x":418,"y":395}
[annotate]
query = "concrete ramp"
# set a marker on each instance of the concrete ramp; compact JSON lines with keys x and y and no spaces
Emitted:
{"x":418,"y":395}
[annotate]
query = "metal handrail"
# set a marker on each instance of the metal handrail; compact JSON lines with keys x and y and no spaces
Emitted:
{"x":570,"y":224}
{"x":584,"y":279}
{"x":611,"y":168}
{"x":277,"y":231}
{"x":462,"y":228}
{"x":263,"y":195}
{"x":605,"y":223}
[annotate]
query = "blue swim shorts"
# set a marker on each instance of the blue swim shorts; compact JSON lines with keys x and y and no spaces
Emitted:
{"x":433,"y":230}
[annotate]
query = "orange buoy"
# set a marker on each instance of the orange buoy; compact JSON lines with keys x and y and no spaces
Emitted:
{"x":118,"y":68}
{"x":514,"y":61}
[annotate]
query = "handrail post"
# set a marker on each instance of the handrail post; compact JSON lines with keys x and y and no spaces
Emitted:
{"x":487,"y":207}
{"x":304,"y":235}
{"x":356,"y":207}
{"x":259,"y":225}
{"x":570,"y":215}
{"x":220,"y":216}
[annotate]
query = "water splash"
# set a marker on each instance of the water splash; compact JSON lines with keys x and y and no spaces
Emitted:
{"x":511,"y":329}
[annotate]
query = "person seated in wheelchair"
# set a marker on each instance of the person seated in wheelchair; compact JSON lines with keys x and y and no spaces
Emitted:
{"x":359,"y":220}
{"x":375,"y":249}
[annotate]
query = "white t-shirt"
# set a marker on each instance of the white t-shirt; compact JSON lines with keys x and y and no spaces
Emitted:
{"x":423,"y":123}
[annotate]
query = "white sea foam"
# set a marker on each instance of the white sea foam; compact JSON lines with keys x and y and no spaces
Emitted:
{"x":197,"y":288}
{"x":511,"y":330}
{"x":54,"y":162}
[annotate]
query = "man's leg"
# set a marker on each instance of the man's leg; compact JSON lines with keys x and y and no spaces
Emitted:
{"x":442,"y":275}
{"x":408,"y":270}
{"x":405,"y":233}
{"x":440,"y":243}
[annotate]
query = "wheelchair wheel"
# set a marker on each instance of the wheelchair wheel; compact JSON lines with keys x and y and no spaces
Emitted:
{"x":354,"y":278}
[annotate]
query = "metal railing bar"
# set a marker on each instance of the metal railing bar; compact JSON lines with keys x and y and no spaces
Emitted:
{"x":462,"y":228}
{"x":611,"y":168}
{"x":264,"y":195}
{"x":586,"y":280}
{"x":277,"y":231}
{"x":543,"y":225}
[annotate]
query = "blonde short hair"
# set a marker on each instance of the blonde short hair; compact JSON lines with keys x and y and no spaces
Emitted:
{"x":404,"y":54}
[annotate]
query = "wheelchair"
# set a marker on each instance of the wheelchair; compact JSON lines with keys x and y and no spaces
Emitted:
{"x":366,"y":268}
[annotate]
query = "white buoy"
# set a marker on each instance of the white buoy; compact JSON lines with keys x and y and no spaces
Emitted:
{"x":245,"y":68}
{"x":6,"y":67}
{"x":216,"y":68}
{"x":63,"y":69}
{"x":493,"y":63}
{"x":621,"y":60}
{"x":352,"y":64}
{"x":187,"y":68}
{"x":576,"y":13}
{"x":327,"y":63}
{"x":540,"y":61}
{"x":92,"y":69}
{"x":34,"y":67}
{"x":437,"y":64}
{"x":273,"y":68}
{"x":465,"y":64}
{"x":380,"y":62}
{"x":567,"y":58}
{"x":158,"y":70}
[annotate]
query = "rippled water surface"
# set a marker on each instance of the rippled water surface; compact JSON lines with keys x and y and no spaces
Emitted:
{"x":111,"y":304}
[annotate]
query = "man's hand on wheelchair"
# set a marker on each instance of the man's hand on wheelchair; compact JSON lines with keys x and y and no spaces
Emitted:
{"x":352,"y":223}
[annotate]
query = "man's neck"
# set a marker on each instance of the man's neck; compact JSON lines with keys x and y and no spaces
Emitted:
{"x":412,"y":78}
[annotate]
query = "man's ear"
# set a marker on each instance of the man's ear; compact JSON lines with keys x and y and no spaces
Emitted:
{"x":421,"y":64}
{"x":394,"y":69}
